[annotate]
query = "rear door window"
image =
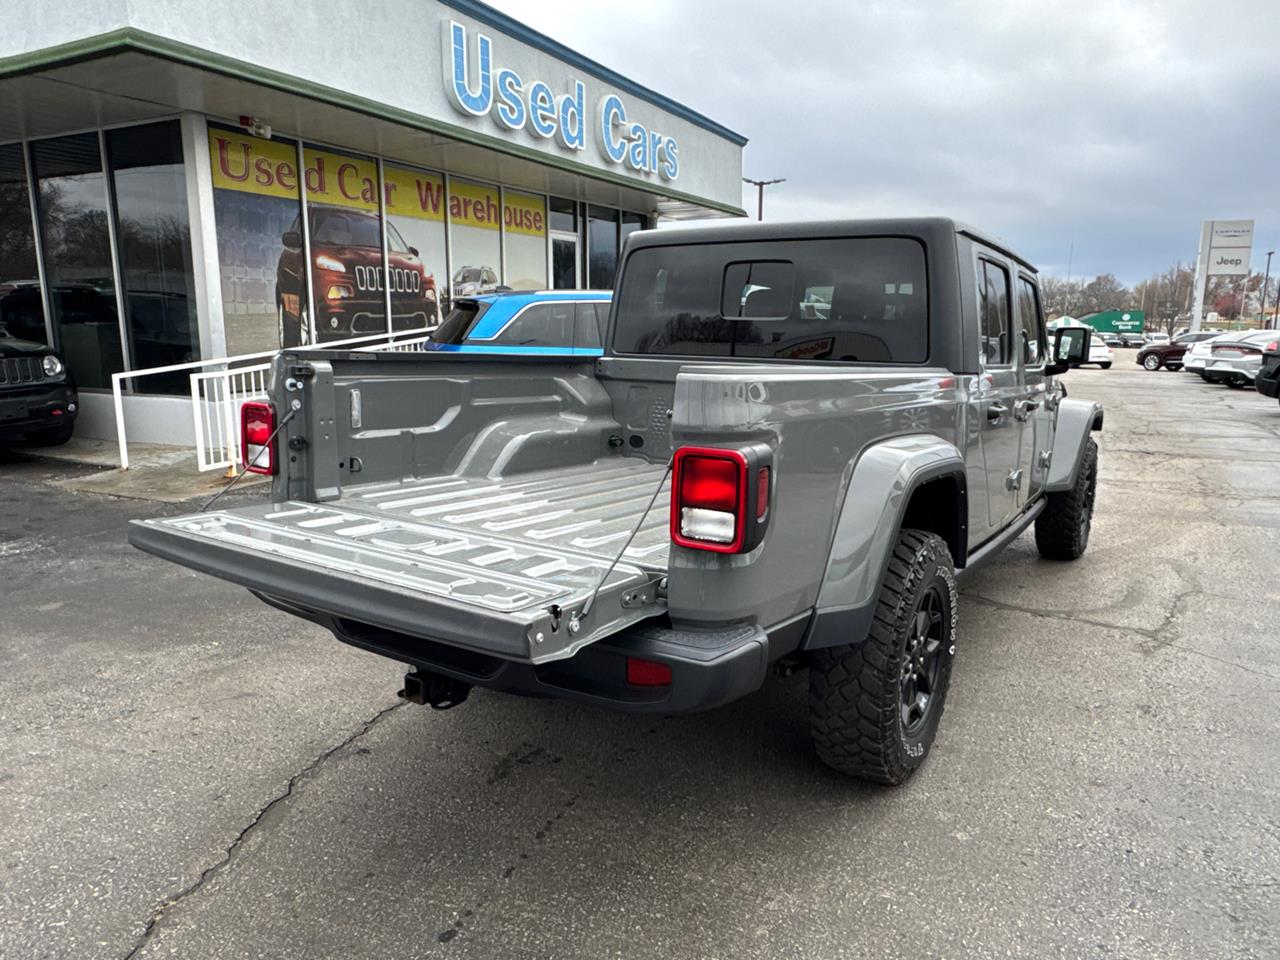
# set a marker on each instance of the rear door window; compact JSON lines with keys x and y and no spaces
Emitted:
{"x":993,"y":294}
{"x":1030,"y":323}
{"x":541,"y":325}
{"x":862,"y":299}
{"x":459,"y":321}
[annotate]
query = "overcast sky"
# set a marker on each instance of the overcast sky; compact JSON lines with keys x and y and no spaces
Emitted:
{"x":1116,"y":127}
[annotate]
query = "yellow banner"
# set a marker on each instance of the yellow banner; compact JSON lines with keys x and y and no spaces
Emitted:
{"x":269,"y":168}
{"x":341,"y":181}
{"x":473,"y":205}
{"x":525,"y":214}
{"x":412,"y":193}
{"x":250,"y":165}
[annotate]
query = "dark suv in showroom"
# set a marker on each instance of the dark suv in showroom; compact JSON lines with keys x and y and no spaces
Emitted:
{"x":38,"y":399}
{"x":348,"y":280}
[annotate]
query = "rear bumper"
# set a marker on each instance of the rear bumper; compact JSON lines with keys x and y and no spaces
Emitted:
{"x":1221,"y":370}
{"x":36,"y":408}
{"x":709,"y":668}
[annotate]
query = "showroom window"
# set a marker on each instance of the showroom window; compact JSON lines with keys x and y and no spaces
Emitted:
{"x":524,"y":224}
{"x":474,"y":223}
{"x":21,"y":304}
{"x":602,"y":247}
{"x":416,"y":241}
{"x":153,"y":237}
{"x":75,"y":232}
{"x":348,"y":286}
{"x":261,"y":265}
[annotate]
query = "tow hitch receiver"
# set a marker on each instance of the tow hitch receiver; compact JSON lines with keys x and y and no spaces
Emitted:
{"x":434,"y":689}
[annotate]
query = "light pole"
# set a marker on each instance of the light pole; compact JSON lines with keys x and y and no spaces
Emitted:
{"x":1266,"y":279}
{"x":760,"y":185}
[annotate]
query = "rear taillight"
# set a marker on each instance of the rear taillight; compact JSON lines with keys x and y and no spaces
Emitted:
{"x":257,"y":424}
{"x":720,"y":497}
{"x":1273,"y":346}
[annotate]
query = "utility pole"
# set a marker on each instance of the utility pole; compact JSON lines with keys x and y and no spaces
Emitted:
{"x":760,"y":185}
{"x":1266,"y":280}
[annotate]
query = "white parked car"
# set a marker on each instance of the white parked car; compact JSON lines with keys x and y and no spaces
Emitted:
{"x":1099,"y":353}
{"x":1234,"y":359}
{"x":1194,"y":360}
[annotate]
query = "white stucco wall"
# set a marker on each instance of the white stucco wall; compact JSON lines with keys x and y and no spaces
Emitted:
{"x":393,"y":55}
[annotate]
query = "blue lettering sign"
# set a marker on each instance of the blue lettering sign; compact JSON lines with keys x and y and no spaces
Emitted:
{"x":503,"y":95}
{"x":476,"y":104}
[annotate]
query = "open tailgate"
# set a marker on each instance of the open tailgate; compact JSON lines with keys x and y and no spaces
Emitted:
{"x":516,"y":598}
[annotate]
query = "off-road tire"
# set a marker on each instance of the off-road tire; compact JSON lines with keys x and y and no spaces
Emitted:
{"x":857,"y":691}
{"x":1062,"y":529}
{"x":1152,"y":362}
{"x":51,"y":436}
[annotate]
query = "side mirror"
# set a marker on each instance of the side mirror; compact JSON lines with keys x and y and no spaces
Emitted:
{"x":413,"y":251}
{"x":1070,"y":348}
{"x":292,"y":239}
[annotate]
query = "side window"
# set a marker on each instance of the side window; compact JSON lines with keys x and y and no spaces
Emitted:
{"x":1031,"y":323}
{"x":993,"y":290}
{"x":589,"y":329}
{"x":541,"y":325}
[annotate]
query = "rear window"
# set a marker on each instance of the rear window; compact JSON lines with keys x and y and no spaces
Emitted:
{"x":860,"y":299}
{"x":459,"y":321}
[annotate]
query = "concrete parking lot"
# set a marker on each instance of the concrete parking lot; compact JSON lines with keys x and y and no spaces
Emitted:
{"x":185,"y":772}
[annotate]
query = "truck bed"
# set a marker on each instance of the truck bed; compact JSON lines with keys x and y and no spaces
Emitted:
{"x":498,"y":566}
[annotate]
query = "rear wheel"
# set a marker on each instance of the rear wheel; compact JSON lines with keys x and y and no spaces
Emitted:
{"x":1105,"y":366}
{"x":1151,"y":361}
{"x":874,"y":705}
{"x":1062,"y":529}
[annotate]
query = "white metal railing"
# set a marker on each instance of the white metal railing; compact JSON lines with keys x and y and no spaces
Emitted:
{"x":239,"y":372}
{"x":216,"y":397}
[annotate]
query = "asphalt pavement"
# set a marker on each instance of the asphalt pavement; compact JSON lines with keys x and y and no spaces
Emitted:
{"x":185,"y":772}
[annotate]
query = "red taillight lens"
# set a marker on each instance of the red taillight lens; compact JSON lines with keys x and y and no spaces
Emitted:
{"x":257,"y":424}
{"x":647,"y":673}
{"x":708,"y":503}
{"x":1273,"y":346}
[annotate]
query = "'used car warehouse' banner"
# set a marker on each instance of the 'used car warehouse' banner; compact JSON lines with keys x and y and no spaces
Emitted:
{"x":269,"y":168}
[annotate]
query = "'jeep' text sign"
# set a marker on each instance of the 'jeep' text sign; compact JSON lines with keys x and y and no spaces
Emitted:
{"x":1230,"y":245}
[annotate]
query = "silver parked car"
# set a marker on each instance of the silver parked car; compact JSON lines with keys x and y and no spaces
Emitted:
{"x":1234,"y":359}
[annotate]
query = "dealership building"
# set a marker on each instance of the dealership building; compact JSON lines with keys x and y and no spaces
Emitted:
{"x":183,"y":182}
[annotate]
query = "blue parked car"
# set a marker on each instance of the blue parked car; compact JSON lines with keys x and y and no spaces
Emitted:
{"x":559,"y":322}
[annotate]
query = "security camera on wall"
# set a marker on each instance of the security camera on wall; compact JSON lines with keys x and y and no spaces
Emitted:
{"x":259,"y":128}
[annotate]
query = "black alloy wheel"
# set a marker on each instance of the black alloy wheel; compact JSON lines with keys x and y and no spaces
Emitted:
{"x":920,"y":661}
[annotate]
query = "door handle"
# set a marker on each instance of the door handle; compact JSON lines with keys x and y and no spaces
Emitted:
{"x":996,"y":412}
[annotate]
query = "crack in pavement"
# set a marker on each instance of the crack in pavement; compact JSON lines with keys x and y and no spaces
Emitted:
{"x":209,"y":872}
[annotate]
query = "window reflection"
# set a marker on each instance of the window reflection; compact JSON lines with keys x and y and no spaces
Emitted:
{"x":72,"y":194}
{"x":21,"y":307}
{"x":154,"y":237}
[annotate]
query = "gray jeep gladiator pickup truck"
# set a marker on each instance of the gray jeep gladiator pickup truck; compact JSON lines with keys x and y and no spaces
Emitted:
{"x":796,"y":437}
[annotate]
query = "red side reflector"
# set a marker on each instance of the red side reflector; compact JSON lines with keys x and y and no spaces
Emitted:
{"x":647,"y":673}
{"x":762,"y":492}
{"x":257,"y":424}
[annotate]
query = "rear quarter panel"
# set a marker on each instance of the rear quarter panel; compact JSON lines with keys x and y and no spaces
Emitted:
{"x":818,"y":421}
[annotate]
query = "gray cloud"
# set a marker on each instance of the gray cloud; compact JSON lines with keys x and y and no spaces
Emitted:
{"x":1116,"y":127}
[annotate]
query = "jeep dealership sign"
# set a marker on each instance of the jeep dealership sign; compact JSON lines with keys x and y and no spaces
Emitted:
{"x":1225,"y":250}
{"x":478,"y":85}
{"x":1230,"y":244}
